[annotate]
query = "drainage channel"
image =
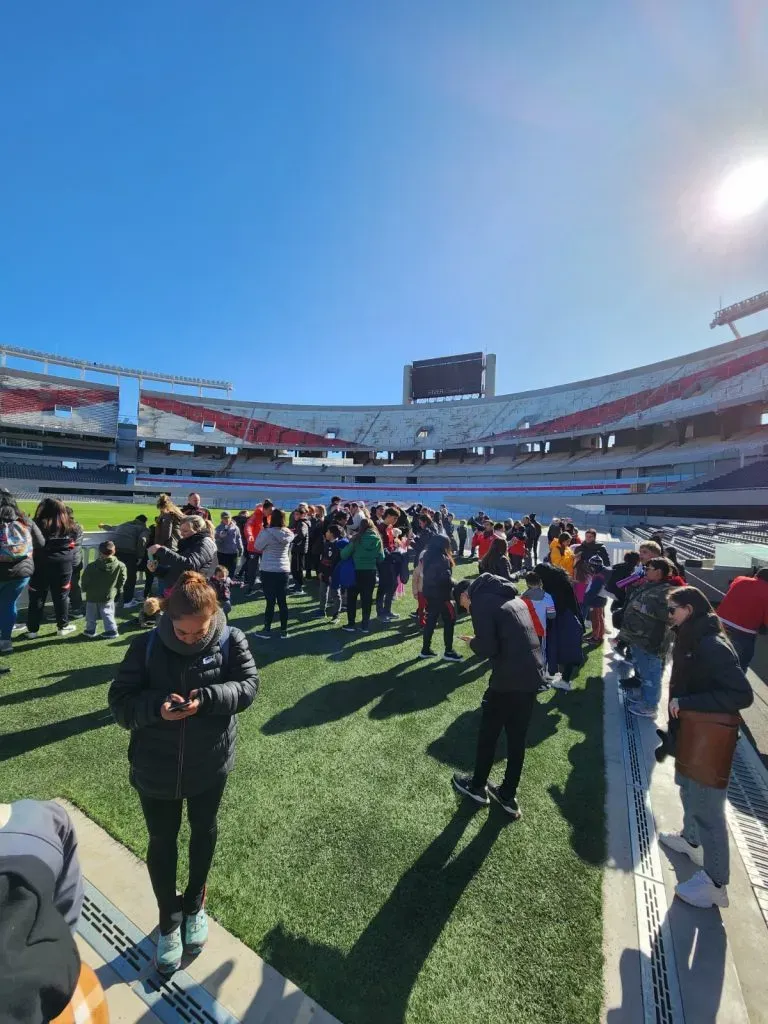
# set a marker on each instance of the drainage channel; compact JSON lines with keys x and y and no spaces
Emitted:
{"x":747,"y":810}
{"x":128,"y":951}
{"x":662,"y":1003}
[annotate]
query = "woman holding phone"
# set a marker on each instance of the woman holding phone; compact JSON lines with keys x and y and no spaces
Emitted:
{"x":178,"y":691}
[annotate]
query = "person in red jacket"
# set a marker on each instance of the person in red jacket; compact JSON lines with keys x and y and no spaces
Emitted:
{"x":743,"y":610}
{"x":482,"y":539}
{"x":255,"y":523}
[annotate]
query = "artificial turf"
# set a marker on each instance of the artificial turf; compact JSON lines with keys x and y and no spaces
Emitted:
{"x":345,"y":859}
{"x":91,"y":513}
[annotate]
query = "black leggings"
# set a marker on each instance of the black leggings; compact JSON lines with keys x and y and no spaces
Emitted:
{"x":163,"y":818}
{"x":55,"y":576}
{"x":274,"y":585}
{"x":437,"y":607}
{"x":365,"y":581}
{"x":512,"y":713}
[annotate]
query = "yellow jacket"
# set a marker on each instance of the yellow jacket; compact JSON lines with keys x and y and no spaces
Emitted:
{"x":562,"y":558}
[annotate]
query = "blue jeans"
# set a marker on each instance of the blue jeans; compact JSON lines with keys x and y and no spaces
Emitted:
{"x":10,"y":591}
{"x":704,"y":824}
{"x":649,"y":667}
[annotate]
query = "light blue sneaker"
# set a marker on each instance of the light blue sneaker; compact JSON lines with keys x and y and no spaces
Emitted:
{"x":169,"y":951}
{"x":196,"y":931}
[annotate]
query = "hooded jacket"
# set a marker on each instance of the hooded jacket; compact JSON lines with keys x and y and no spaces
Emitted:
{"x":706,"y":675}
{"x":170,"y":760}
{"x":273,"y":543}
{"x":103,"y":579}
{"x":505,"y":635}
{"x":130,"y":537}
{"x":365,"y":550}
{"x":436,"y":572}
{"x":196,"y":553}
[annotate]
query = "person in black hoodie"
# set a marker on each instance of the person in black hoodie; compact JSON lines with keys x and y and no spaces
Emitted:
{"x":505,"y":635}
{"x":565,"y":635}
{"x":53,"y":567}
{"x":706,"y":677}
{"x":178,"y":690}
{"x":437,"y":587}
{"x":196,"y":552}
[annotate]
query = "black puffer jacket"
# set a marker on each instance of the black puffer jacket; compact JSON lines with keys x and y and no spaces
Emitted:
{"x":196,"y":553}
{"x":436,"y":580}
{"x":504,"y":634}
{"x":706,"y":675}
{"x":170,"y":760}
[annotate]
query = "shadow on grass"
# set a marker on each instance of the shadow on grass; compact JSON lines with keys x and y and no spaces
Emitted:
{"x":581,"y":802}
{"x":373,"y":982}
{"x":15,"y":744}
{"x":77,"y":679}
{"x":423,"y":688}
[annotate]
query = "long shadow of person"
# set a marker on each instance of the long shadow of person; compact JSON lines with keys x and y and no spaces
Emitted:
{"x":16,"y":743}
{"x":582,"y":799}
{"x":373,"y":982}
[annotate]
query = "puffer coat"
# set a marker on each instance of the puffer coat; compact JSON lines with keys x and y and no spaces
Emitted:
{"x":171,"y":760}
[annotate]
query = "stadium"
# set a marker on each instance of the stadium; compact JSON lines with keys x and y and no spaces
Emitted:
{"x":345,"y":759}
{"x":684,"y":438}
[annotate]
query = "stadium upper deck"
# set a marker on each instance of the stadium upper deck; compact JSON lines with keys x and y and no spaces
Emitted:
{"x":711,"y":380}
{"x":38,"y":401}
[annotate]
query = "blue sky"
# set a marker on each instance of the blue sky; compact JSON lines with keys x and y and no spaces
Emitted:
{"x":302,"y":197}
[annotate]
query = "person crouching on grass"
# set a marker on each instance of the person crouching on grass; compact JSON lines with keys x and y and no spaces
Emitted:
{"x":101,"y":582}
{"x":504,"y":634}
{"x":178,"y":691}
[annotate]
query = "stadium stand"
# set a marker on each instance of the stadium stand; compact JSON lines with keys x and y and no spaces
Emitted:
{"x":57,"y":404}
{"x":744,"y":478}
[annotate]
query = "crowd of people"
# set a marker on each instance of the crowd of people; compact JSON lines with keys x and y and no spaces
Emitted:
{"x":183,"y":681}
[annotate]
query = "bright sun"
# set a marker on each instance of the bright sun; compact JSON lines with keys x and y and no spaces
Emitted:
{"x":743,"y":191}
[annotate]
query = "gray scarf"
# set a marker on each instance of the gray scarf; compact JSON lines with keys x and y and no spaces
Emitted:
{"x":172,"y":642}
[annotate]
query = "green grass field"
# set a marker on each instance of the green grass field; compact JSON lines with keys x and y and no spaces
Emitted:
{"x":90,"y":513}
{"x":345,"y":859}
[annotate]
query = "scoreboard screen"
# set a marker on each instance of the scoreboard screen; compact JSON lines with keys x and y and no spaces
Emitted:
{"x":448,"y":376}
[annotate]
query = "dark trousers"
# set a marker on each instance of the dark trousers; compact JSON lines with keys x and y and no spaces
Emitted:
{"x":386,"y":591}
{"x":297,"y":568}
{"x":365,"y":581}
{"x":163,"y":818}
{"x":743,"y":644}
{"x":512,"y":713}
{"x":275,"y":587}
{"x":462,"y":534}
{"x":252,"y":570}
{"x":57,"y":578}
{"x":439,"y":607}
{"x":75,"y":593}
{"x":229,"y":561}
{"x":131,"y":563}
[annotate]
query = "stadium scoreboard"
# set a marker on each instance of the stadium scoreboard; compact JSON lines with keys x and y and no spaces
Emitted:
{"x":447,"y":377}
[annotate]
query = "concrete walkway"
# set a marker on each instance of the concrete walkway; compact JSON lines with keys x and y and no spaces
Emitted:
{"x":227,"y":983}
{"x":667,"y":962}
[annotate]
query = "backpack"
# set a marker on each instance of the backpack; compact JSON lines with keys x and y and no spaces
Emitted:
{"x":223,"y":647}
{"x":15,"y":541}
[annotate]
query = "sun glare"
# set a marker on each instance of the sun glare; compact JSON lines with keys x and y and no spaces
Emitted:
{"x":743,"y":191}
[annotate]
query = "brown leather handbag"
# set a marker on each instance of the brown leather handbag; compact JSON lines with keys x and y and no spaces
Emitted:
{"x":705,"y":746}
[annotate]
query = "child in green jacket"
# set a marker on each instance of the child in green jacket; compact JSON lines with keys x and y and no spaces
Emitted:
{"x":101,"y":582}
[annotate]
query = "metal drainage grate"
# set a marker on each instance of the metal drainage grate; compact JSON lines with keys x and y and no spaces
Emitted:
{"x":661,"y":992}
{"x":747,"y":810}
{"x":176,"y":1000}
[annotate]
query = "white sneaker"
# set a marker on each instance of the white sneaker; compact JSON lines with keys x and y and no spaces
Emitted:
{"x":552,"y":679}
{"x":30,"y":636}
{"x":66,"y":630}
{"x":676,"y":841}
{"x":701,"y":891}
{"x":131,"y":604}
{"x":561,"y":684}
